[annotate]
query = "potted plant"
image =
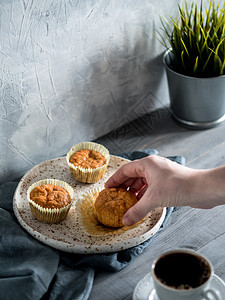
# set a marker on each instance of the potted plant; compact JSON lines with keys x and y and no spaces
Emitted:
{"x":195,"y":64}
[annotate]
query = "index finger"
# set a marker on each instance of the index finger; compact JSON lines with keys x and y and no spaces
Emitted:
{"x":132,"y":169}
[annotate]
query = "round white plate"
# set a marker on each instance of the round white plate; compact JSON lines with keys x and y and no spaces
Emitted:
{"x":67,"y":235}
{"x":144,"y":290}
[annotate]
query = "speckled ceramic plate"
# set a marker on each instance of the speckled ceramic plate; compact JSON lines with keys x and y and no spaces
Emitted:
{"x":67,"y":235}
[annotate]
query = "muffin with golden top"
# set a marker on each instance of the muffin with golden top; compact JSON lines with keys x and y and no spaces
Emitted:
{"x":88,"y":161}
{"x":111,"y":205}
{"x":50,"y":200}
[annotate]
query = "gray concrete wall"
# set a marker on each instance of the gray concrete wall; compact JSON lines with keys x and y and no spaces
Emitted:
{"x":72,"y":71}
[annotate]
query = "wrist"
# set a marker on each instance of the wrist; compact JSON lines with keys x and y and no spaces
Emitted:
{"x":208,"y":188}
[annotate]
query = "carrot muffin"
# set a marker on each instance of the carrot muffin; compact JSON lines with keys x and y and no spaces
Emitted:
{"x":50,"y":200}
{"x":88,"y":161}
{"x":92,"y":226}
{"x":87,"y":158}
{"x":111,"y":205}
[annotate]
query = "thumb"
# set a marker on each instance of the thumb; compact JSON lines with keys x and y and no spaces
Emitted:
{"x":138,"y":211}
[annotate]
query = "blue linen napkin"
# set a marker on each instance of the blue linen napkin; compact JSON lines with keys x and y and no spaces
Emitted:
{"x":32,"y":270}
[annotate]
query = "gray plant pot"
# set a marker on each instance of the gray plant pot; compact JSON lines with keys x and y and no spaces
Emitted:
{"x":198,"y":103}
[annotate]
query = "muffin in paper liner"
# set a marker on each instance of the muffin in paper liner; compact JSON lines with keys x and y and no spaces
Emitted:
{"x":88,"y":220}
{"x":48,"y":215}
{"x":88,"y":175}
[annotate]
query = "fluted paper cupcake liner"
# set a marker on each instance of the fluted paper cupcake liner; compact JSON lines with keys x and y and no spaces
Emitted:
{"x":48,"y":215}
{"x":88,"y":175}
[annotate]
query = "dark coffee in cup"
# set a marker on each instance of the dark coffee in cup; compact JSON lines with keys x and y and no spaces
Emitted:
{"x":182,"y":270}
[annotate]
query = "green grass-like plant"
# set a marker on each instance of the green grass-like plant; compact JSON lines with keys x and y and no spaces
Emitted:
{"x":197,"y":39}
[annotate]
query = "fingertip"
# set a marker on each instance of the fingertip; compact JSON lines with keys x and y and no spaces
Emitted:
{"x":109,"y":183}
{"x":127,"y":221}
{"x":106,"y":185}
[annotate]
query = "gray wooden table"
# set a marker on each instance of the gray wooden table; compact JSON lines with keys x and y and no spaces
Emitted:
{"x":201,"y":230}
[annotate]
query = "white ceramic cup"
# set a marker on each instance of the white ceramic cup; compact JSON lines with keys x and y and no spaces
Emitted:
{"x":183,"y":274}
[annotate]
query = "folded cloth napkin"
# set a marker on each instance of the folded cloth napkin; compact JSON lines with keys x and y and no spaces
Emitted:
{"x":32,"y":270}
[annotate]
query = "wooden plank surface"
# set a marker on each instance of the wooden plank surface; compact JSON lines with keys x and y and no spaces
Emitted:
{"x":169,"y":138}
{"x":201,"y":230}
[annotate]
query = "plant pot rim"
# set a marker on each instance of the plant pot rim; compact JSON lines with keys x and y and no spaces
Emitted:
{"x":168,"y":51}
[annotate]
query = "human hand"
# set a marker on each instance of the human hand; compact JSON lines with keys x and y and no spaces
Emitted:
{"x":156,"y":181}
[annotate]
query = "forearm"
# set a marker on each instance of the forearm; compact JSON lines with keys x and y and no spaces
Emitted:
{"x":208,"y":188}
